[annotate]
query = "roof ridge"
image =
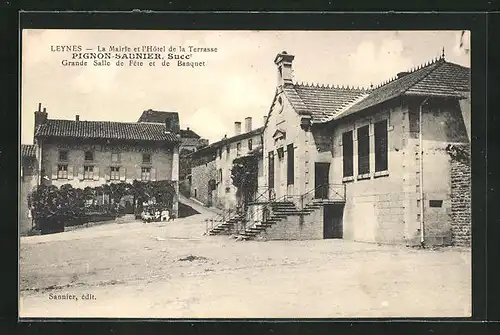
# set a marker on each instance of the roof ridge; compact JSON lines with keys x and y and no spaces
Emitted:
{"x":107,"y":121}
{"x":414,"y":69}
{"x":332,"y":86}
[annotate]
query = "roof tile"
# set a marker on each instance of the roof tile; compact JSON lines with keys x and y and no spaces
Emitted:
{"x":106,"y":130}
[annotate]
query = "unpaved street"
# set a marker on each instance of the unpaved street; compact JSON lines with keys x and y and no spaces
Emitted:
{"x":171,"y":270}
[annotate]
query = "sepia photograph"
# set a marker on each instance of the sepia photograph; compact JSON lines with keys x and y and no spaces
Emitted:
{"x":194,"y":174}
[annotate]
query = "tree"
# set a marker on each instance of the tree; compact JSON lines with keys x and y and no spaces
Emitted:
{"x":244,"y":174}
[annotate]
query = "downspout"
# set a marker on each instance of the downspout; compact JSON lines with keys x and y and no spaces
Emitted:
{"x":421,"y":156}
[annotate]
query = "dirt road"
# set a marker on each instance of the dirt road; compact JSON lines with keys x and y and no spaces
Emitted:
{"x":171,"y":270}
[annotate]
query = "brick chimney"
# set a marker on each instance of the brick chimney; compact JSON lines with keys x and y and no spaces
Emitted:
{"x":265,"y":119}
{"x":284,"y":63}
{"x":77,"y":117}
{"x":237,"y":128}
{"x":248,"y":124}
{"x":40,"y":116}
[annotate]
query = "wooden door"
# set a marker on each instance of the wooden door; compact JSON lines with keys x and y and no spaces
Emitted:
{"x":321,"y":180}
{"x":333,"y":221}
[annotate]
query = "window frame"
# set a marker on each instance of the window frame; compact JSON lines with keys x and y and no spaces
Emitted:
{"x":60,"y":172}
{"x":87,"y":169}
{"x":148,"y":161}
{"x":348,"y":160}
{"x":114,"y":173}
{"x":117,"y":157}
{"x":381,"y":158}
{"x":363,"y":150}
{"x":290,"y":161}
{"x":88,"y":152}
{"x":145,"y":171}
{"x":66,"y":153}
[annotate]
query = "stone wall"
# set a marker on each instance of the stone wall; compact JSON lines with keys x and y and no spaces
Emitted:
{"x":307,"y":227}
{"x":461,"y":195}
{"x":200,"y":176}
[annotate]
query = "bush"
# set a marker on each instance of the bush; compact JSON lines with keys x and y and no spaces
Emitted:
{"x":54,"y":208}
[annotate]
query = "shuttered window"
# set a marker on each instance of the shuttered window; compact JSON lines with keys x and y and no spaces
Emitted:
{"x":145,"y":174}
{"x":364,"y":150}
{"x":62,"y":171}
{"x":115,"y":173}
{"x":88,"y":172}
{"x":348,"y":154}
{"x":290,"y":165}
{"x":271,"y":169}
{"x":381,"y":147}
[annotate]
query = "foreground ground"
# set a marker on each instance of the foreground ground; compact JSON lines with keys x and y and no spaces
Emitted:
{"x":171,"y":270}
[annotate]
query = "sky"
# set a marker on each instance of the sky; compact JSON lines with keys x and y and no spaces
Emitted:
{"x":237,"y":81}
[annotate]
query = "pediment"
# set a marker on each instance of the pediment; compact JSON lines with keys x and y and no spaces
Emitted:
{"x":278,"y":134}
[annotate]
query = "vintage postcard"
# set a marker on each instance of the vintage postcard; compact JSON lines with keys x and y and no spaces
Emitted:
{"x":245,"y":174}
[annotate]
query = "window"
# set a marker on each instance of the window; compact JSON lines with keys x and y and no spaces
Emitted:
{"x":63,"y":155}
{"x":146,"y":158}
{"x":220,"y":153}
{"x":290,"y":165}
{"x":89,"y":156}
{"x":62,"y":171}
{"x":88,"y":172}
{"x":115,"y":173}
{"x":271,"y":169}
{"x":364,"y":150}
{"x":435,"y":203}
{"x":381,"y":146}
{"x":228,"y":147}
{"x":238,"y":148}
{"x":115,"y":157}
{"x":195,"y":193}
{"x":250,"y":144}
{"x":348,"y":154}
{"x":281,"y":153}
{"x":145,"y":173}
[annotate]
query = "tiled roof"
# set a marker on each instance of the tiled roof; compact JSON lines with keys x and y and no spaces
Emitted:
{"x":105,"y":130}
{"x":28,"y":150}
{"x":438,"y":78}
{"x":153,"y":116}
{"x":188,"y":133}
{"x":322,"y":102}
{"x":218,"y":144}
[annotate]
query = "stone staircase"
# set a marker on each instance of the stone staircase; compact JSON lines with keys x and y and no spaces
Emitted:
{"x":227,"y":227}
{"x":280,"y":211}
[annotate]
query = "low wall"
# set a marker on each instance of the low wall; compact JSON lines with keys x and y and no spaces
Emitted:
{"x":304,"y":227}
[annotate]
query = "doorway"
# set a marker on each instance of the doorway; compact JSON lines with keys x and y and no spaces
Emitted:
{"x":321,"y":180}
{"x":332,"y":221}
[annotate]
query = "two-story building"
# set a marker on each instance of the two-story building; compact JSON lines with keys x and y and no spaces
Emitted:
{"x":92,"y":153}
{"x":212,"y":165}
{"x":375,"y":162}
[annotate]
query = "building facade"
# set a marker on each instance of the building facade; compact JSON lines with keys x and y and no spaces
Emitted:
{"x":380,"y":151}
{"x":92,"y":153}
{"x":219,"y":157}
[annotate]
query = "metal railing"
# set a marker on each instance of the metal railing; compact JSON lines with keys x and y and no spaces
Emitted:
{"x":326,"y":192}
{"x":266,"y":199}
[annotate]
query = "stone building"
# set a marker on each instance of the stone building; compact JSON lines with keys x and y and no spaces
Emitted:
{"x":212,"y":165}
{"x":28,"y":170}
{"x":92,"y":153}
{"x":370,"y":163}
{"x":190,"y":141}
